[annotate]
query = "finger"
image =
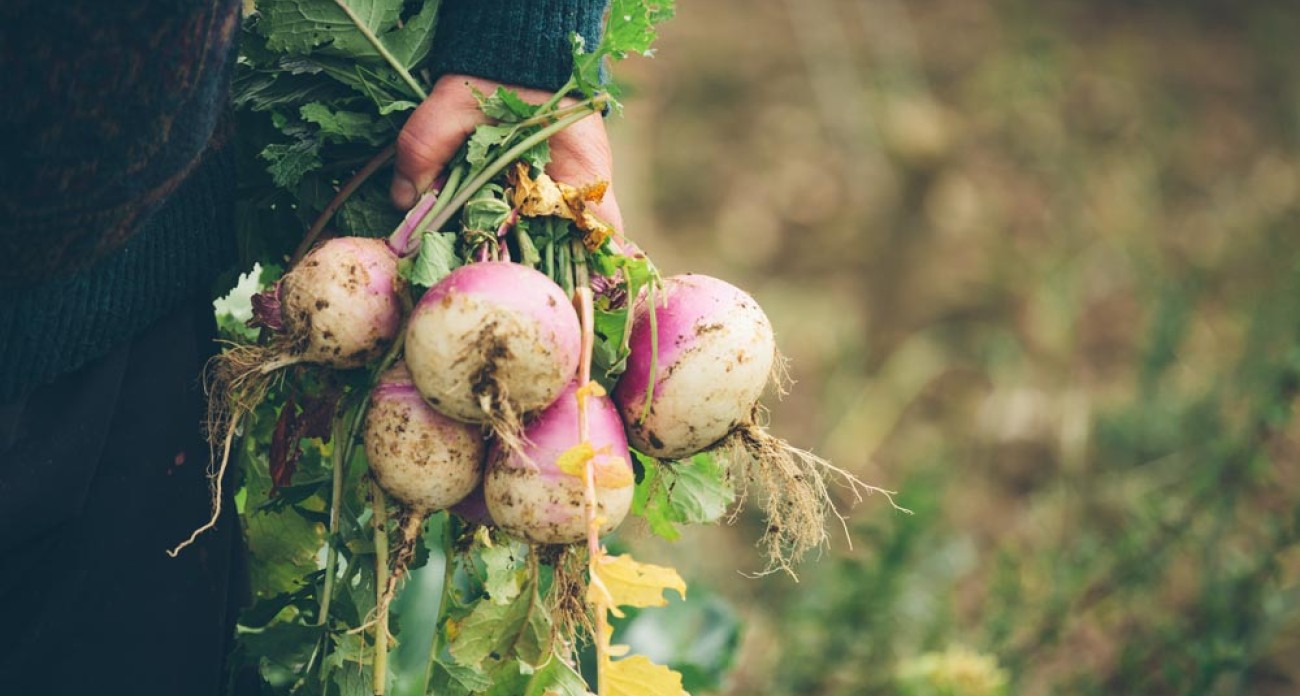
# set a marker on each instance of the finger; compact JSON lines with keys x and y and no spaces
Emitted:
{"x":430,"y":138}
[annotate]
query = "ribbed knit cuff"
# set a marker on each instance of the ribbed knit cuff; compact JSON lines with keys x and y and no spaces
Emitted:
{"x":517,"y":42}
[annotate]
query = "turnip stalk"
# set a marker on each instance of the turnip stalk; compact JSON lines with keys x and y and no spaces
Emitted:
{"x":380,"y":667}
{"x":403,"y":241}
{"x":350,"y":187}
{"x":463,"y":195}
{"x":342,"y":456}
{"x":444,"y":598}
{"x":338,"y":466}
{"x":586,"y":313}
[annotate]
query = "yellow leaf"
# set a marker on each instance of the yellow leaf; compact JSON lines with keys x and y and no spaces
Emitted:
{"x":634,"y":584}
{"x":591,"y":388}
{"x":609,"y":471}
{"x":573,"y":461}
{"x":612,"y":471}
{"x":638,"y":676}
{"x":537,"y":197}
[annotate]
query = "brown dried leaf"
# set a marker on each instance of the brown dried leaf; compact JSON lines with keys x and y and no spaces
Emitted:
{"x":544,"y":196}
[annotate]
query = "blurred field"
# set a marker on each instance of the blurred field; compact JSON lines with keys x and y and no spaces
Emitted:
{"x":1037,"y":265}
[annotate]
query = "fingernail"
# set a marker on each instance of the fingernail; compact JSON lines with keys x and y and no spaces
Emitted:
{"x":402,"y":192}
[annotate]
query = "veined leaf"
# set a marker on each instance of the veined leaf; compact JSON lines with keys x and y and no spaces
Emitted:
{"x":691,"y":491}
{"x":288,"y":162}
{"x":301,"y":26}
{"x":436,"y":260}
{"x":454,"y":679}
{"x":634,"y":584}
{"x":347,"y":126}
{"x":638,"y":676}
{"x":411,"y":43}
{"x":521,"y":629}
{"x":503,"y":575}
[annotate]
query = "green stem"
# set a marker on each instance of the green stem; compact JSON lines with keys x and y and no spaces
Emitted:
{"x":350,"y":187}
{"x":339,"y":465}
{"x":564,"y":269}
{"x":381,"y":585}
{"x":444,"y":196}
{"x":514,"y":153}
{"x":341,"y":457}
{"x":543,"y":117}
{"x":528,"y":254}
{"x":581,"y":278}
{"x":383,"y":50}
{"x":654,"y":353}
{"x":559,"y":94}
{"x":550,"y":259}
{"x":444,"y":601}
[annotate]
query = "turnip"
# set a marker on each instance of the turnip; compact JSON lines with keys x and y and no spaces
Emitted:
{"x":702,"y":352}
{"x":492,"y":342}
{"x":425,"y":460}
{"x":715,"y":351}
{"x":341,"y":306}
{"x":421,"y":458}
{"x":530,"y":496}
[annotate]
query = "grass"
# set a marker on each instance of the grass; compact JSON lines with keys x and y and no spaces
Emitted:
{"x":1038,"y":268}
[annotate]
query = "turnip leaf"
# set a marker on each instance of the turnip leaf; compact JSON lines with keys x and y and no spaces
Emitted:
{"x":437,"y":259}
{"x":302,"y":26}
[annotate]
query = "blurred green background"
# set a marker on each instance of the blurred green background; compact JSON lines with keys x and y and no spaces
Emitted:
{"x":1037,"y":266}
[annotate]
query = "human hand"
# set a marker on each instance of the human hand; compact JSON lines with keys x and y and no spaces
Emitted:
{"x":580,"y":154}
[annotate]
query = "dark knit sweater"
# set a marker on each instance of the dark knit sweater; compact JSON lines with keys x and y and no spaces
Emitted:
{"x":116,"y":177}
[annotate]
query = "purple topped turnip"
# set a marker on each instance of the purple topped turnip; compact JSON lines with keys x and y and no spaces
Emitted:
{"x":701,"y":355}
{"x":425,"y":460}
{"x":530,"y":496}
{"x":492,"y":342}
{"x":714,"y":356}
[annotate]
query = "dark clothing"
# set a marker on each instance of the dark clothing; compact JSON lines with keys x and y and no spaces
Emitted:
{"x":518,"y":42}
{"x":100,"y":473}
{"x":116,"y":199}
{"x":117,"y":195}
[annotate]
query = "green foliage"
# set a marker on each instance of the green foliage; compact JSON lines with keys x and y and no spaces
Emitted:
{"x":691,"y":491}
{"x":315,"y":97}
{"x":437,"y":258}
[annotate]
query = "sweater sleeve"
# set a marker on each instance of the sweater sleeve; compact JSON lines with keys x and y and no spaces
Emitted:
{"x":110,"y":111}
{"x":518,"y":42}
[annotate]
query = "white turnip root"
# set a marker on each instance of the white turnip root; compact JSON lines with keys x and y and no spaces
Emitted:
{"x":419,"y":457}
{"x":528,"y":494}
{"x":491,"y":343}
{"x":423,"y":459}
{"x":341,"y":306}
{"x":701,"y":355}
{"x":714,"y":356}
